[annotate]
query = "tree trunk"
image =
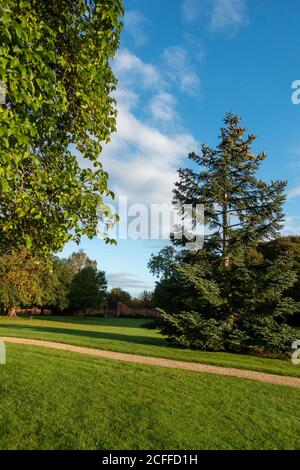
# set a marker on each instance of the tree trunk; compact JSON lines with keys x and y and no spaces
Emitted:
{"x":225,"y":240}
{"x":11,"y":312}
{"x":226,"y":259}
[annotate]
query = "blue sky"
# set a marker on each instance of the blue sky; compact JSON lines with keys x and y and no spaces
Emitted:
{"x":181,"y":66}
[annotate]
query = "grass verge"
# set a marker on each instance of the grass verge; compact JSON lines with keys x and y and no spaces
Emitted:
{"x":60,"y":400}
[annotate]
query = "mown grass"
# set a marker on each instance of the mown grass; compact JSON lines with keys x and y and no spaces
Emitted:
{"x":62,"y":400}
{"x":127,"y":335}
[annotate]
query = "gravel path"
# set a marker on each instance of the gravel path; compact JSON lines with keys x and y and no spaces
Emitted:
{"x":156,"y":361}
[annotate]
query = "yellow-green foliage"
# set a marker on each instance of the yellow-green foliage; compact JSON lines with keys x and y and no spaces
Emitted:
{"x":54,"y":62}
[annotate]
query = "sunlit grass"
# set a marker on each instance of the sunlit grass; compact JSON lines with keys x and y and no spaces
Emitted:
{"x":127,"y":335}
{"x":62,"y":400}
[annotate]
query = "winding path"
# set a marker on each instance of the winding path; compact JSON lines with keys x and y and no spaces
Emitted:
{"x":161,"y":362}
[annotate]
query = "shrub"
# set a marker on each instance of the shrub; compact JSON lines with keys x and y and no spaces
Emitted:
{"x":192,"y":330}
{"x":235,"y":340}
{"x":273,"y":337}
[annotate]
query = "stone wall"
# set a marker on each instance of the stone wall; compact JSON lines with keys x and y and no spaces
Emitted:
{"x":33,"y":311}
{"x":122,"y":310}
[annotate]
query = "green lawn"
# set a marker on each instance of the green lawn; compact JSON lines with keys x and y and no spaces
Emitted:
{"x":127,"y":335}
{"x":62,"y":400}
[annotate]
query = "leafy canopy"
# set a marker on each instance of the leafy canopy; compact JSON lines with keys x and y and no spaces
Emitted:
{"x":116,"y":295}
{"x":88,"y":288}
{"x":20,"y":280}
{"x":54,"y":63}
{"x":27,"y":281}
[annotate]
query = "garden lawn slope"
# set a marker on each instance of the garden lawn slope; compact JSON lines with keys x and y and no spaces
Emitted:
{"x":128,"y":336}
{"x":61,"y":400}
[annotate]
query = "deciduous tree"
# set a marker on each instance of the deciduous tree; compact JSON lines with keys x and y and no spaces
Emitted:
{"x":88,"y":289}
{"x":20,"y":284}
{"x":55,"y":64}
{"x":79,"y":260}
{"x":118,"y":295}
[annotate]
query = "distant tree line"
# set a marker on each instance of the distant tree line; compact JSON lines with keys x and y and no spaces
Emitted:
{"x":61,"y":284}
{"x":117,"y":295}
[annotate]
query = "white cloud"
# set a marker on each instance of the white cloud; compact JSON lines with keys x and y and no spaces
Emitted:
{"x":228,"y":14}
{"x":162,"y":107}
{"x":191,"y":9}
{"x":135,"y":23}
{"x":221,"y":15}
{"x":180,"y":69}
{"x":128,"y":98}
{"x":133,"y":73}
{"x":196,"y":46}
{"x":125,"y":280}
{"x":142,"y":160}
{"x":131,"y":70}
{"x":294,"y":193}
{"x":291,"y":226}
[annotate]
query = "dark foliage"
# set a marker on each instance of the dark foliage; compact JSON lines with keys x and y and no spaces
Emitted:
{"x":235,"y":293}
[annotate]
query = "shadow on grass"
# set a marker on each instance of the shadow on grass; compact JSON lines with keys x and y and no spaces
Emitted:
{"x":88,"y":334}
{"x":96,"y":321}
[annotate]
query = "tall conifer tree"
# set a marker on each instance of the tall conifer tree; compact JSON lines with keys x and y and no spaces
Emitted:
{"x":236,"y":290}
